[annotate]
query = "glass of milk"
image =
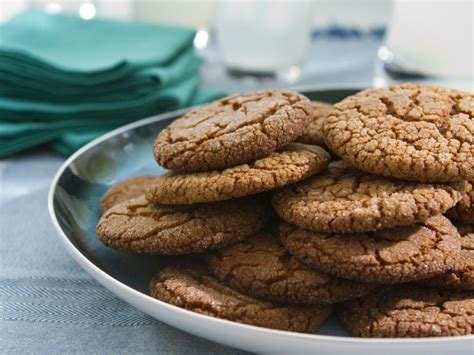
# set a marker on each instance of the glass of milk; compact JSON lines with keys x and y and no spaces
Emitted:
{"x":263,"y":36}
{"x":431,"y":37}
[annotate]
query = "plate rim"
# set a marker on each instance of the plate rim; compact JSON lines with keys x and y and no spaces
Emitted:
{"x":105,"y":279}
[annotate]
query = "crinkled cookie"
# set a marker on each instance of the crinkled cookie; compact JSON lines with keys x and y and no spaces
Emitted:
{"x":261,"y":267}
{"x":125,"y":190}
{"x":407,"y":131}
{"x":139,"y":226}
{"x":293,"y":163}
{"x":344,"y":199}
{"x":387,"y":256}
{"x":408,"y":311}
{"x":232,"y":131}
{"x":195,"y":290}
{"x":461,"y":276}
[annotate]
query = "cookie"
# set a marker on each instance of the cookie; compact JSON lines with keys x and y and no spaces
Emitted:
{"x":294,"y":163}
{"x":407,"y":311}
{"x":234,"y":130}
{"x":387,"y":256}
{"x":408,"y":131}
{"x":344,"y":199}
{"x":195,"y":290}
{"x":464,"y":210}
{"x":125,"y":190}
{"x":142,"y":227}
{"x":261,"y":267}
{"x":461,"y":277}
{"x":314,"y":132}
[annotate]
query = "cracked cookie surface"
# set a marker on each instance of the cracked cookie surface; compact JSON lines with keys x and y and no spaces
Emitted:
{"x":408,"y":311}
{"x":125,"y":190}
{"x":261,"y":267}
{"x":464,"y":210}
{"x":142,"y":227}
{"x":314,"y":132}
{"x":407,"y":131}
{"x":234,"y":130}
{"x":197,"y":291}
{"x":294,"y":163}
{"x":387,"y":256}
{"x":344,"y":199}
{"x":461,"y":277}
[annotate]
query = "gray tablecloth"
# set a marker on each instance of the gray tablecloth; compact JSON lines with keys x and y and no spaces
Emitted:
{"x":48,"y":304}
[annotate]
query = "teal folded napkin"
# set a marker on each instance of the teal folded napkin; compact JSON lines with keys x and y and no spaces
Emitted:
{"x":65,"y":81}
{"x":98,"y":50}
{"x":161,"y":100}
{"x":144,"y":81}
{"x":69,"y":135}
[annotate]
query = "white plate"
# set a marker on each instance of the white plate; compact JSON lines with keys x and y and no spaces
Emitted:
{"x":73,"y":200}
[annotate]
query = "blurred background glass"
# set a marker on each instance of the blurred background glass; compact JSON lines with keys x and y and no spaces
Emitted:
{"x":431,"y":38}
{"x":306,"y":42}
{"x":293,"y":34}
{"x":263,"y":37}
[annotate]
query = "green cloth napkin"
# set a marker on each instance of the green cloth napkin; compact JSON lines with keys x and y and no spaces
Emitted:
{"x":143,"y":82}
{"x":60,"y":58}
{"x":69,"y":135}
{"x":96,"y":51}
{"x":166,"y":99}
{"x":65,"y":81}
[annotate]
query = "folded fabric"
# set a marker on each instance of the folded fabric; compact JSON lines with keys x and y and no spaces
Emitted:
{"x":65,"y":81}
{"x":145,"y":81}
{"x":97,"y":51}
{"x":66,"y":136}
{"x":166,"y":99}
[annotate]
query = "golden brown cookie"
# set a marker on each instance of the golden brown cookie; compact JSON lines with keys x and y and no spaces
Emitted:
{"x":314,"y":133}
{"x":195,"y":290}
{"x":461,"y":277}
{"x":234,"y":130}
{"x":293,"y":163}
{"x":464,"y":210}
{"x":141,"y":227}
{"x":408,"y":311}
{"x":261,"y":267}
{"x":344,"y":199}
{"x":408,"y":131}
{"x":125,"y":190}
{"x":387,"y":256}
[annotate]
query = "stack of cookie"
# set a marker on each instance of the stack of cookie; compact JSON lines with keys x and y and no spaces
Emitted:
{"x":377,"y":216}
{"x":220,"y":158}
{"x":348,"y":232}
